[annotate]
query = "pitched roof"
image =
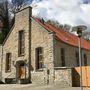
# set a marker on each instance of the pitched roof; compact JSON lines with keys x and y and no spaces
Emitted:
{"x":64,"y":36}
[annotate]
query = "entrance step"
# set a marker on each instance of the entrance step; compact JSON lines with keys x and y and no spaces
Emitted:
{"x":1,"y":82}
{"x":10,"y":80}
{"x":23,"y":81}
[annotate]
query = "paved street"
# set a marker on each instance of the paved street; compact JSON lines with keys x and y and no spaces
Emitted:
{"x":36,"y":87}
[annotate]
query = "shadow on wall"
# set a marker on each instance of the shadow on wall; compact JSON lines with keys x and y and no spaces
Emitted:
{"x":75,"y":78}
{"x":85,"y":76}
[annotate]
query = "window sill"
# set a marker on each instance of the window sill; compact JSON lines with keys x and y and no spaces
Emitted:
{"x":39,"y":70}
{"x":8,"y":71}
{"x":21,"y":55}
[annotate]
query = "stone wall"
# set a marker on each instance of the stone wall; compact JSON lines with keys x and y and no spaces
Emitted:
{"x":40,"y":37}
{"x":22,"y":22}
{"x":63,"y":76}
{"x":38,"y":77}
{"x":37,"y":36}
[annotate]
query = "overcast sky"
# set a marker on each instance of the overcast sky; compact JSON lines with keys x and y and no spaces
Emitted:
{"x":73,"y":12}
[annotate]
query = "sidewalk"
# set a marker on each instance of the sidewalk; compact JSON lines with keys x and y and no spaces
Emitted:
{"x":36,"y":87}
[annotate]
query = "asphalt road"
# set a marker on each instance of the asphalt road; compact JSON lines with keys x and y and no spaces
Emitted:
{"x":37,"y":87}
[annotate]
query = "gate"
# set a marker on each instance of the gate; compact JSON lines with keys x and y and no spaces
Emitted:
{"x":85,"y":76}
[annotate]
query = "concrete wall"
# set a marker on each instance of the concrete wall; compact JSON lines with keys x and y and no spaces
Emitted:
{"x":70,"y":54}
{"x":88,"y":56}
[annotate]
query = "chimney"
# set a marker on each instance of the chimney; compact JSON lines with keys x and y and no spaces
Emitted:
{"x":22,"y":17}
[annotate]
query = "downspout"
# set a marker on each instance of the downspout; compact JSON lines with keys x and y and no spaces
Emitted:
{"x":29,"y":62}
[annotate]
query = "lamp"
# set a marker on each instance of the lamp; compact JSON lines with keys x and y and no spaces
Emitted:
{"x":79,"y":29}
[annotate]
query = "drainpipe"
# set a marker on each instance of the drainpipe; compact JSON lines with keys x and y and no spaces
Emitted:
{"x":29,"y":62}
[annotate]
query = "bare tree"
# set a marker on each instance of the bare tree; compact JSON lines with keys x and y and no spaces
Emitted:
{"x":18,"y":4}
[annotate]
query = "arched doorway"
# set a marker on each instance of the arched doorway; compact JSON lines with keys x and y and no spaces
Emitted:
{"x":20,"y":71}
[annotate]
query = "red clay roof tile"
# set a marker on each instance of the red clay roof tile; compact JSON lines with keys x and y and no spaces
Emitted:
{"x":64,"y":36}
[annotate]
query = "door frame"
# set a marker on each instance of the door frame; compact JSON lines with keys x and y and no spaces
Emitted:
{"x":19,"y":64}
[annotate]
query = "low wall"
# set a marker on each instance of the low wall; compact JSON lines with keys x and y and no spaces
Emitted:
{"x":37,"y":77}
{"x":63,"y":76}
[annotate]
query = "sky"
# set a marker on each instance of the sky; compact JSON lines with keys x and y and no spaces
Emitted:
{"x":72,"y":12}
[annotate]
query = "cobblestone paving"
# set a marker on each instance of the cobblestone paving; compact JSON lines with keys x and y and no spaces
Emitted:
{"x":37,"y":87}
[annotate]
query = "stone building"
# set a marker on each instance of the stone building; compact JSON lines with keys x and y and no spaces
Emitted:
{"x":37,"y":52}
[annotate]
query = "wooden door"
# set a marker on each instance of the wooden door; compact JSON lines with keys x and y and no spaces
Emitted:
{"x":22,"y":72}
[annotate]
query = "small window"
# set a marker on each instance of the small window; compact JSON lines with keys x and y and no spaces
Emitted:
{"x":39,"y":58}
{"x":85,"y":60}
{"x":21,"y":43}
{"x":62,"y":57}
{"x":8,"y":62}
{"x":77,"y":58}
